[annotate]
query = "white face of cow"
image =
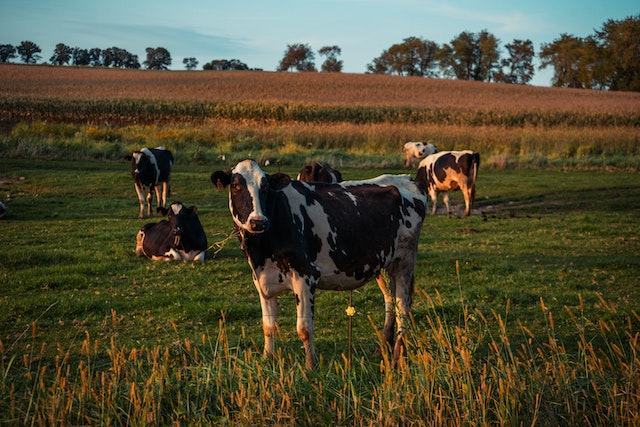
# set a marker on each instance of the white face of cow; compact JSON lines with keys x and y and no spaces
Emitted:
{"x":247,"y":191}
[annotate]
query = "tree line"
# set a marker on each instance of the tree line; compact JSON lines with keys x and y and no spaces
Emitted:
{"x":608,"y":59}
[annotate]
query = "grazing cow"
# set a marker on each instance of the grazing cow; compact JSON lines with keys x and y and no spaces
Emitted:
{"x":179,"y":237}
{"x":151,"y":167}
{"x":300,"y":236}
{"x":451,"y":170}
{"x":319,"y":172}
{"x":417,"y":151}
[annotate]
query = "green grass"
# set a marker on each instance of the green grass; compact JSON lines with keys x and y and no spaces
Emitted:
{"x":539,"y":325}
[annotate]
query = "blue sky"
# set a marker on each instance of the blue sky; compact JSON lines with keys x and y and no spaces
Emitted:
{"x":257,"y":32}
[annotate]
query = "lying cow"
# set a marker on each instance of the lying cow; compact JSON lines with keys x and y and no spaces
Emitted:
{"x":300,"y":236}
{"x":179,"y":237}
{"x":417,"y":151}
{"x":451,"y":170}
{"x":151,"y":167}
{"x":319,"y":172}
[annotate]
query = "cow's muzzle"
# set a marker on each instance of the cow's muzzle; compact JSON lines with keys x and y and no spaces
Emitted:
{"x":177,"y":236}
{"x":258,"y":225}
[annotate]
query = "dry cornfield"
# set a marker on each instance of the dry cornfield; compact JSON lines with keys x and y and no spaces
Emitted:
{"x":332,"y":89}
{"x":273,"y":115}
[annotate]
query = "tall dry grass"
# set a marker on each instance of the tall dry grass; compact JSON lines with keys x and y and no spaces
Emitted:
{"x":342,"y":144}
{"x":465,"y":372}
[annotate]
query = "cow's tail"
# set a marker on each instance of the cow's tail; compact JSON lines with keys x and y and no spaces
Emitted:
{"x":475,"y":164}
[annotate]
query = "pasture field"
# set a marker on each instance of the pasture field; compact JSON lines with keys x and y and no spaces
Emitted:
{"x":524,"y":313}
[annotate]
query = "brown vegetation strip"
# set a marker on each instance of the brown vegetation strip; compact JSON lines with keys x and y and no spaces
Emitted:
{"x":332,"y":89}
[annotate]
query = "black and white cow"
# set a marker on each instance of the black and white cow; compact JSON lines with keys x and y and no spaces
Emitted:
{"x":151,"y":167}
{"x":300,"y":236}
{"x":181,"y":236}
{"x":451,"y":170}
{"x":417,"y":151}
{"x":319,"y":172}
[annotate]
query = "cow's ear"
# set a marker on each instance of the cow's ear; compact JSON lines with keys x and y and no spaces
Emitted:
{"x":278,"y":180}
{"x":162,"y":211}
{"x":220,"y":179}
{"x":193,"y":208}
{"x":128,"y":157}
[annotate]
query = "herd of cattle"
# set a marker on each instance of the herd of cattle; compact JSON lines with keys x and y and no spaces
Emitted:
{"x":314,"y":232}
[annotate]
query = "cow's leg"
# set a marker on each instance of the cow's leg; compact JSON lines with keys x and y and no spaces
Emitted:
{"x":466,"y":193}
{"x":197,"y":255}
{"x":389,"y":309}
{"x":149,"y":199}
{"x":469,"y":197}
{"x":404,"y":292}
{"x":304,"y":290}
{"x":159,"y":194}
{"x":140,"y":193}
{"x":445,"y":199}
{"x":434,"y":200}
{"x":269,"y":323}
{"x":139,"y":244}
{"x":165,"y":192}
{"x":401,"y":273}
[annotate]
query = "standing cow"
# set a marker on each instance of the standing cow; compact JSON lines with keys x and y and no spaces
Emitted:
{"x":300,"y":236}
{"x":151,"y":167}
{"x":417,"y":151}
{"x":451,"y":170}
{"x":179,"y":237}
{"x":319,"y":172}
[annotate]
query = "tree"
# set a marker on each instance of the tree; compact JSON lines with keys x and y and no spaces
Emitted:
{"x":110,"y":57}
{"x":332,"y":64}
{"x":422,"y":54}
{"x":7,"y":52}
{"x":225,"y":65}
{"x":298,"y":56}
{"x":80,"y":56}
{"x":190,"y":63}
{"x":157,"y":59}
{"x":413,"y":57}
{"x":457,"y":58}
{"x":61,"y":54}
{"x":620,"y":53}
{"x":95,"y":57}
{"x":519,"y":64}
{"x":574,"y":61}
{"x":471,"y":56}
{"x":131,"y":61}
{"x":488,"y":57}
{"x":28,"y":52}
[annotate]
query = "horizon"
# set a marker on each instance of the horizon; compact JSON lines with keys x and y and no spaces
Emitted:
{"x":258,"y":33}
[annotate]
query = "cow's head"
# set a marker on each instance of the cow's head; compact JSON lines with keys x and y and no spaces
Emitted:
{"x":180,"y":218}
{"x":319,"y":172}
{"x":249,"y":186}
{"x":420,"y":150}
{"x":143,"y":167}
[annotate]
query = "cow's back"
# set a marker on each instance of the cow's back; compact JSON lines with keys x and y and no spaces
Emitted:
{"x":154,"y":239}
{"x":350,"y":231}
{"x":163,"y":159}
